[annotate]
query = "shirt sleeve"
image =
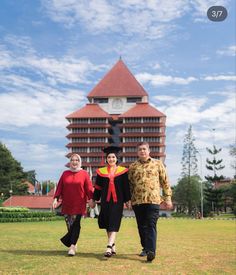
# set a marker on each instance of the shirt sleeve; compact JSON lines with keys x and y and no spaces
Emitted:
{"x":88,"y":186}
{"x":97,"y":188}
{"x":164,"y":182}
{"x":130,"y":178}
{"x":59,"y":189}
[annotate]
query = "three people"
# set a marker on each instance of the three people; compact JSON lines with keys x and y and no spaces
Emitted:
{"x":147,"y":176}
{"x":112,"y":188}
{"x":74,"y":189}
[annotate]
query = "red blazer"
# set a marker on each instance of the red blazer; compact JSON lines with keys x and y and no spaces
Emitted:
{"x":74,"y":188}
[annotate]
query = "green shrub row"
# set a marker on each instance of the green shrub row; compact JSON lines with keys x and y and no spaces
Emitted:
{"x":32,"y":219}
{"x":14,"y":209}
{"x":180,"y":215}
{"x":26,"y":214}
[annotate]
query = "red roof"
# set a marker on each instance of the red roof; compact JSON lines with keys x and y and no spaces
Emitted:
{"x":142,"y":109}
{"x":119,"y":81}
{"x":33,"y":202}
{"x":90,"y":110}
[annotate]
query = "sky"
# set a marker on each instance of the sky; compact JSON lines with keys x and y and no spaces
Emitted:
{"x":53,"y":52}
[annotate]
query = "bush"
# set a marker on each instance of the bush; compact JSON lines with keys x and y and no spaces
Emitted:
{"x":8,"y":214}
{"x":179,"y":215}
{"x":14,"y":209}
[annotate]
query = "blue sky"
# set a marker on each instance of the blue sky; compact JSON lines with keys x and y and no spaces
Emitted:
{"x":53,"y":52}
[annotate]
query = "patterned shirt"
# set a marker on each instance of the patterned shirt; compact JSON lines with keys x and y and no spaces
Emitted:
{"x":146,"y":179}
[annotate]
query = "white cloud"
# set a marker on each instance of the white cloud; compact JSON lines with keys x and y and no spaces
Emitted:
{"x":221,"y":77}
{"x":153,"y":19}
{"x":228,"y":51}
{"x":200,"y":7}
{"x":66,"y":69}
{"x":186,"y":109}
{"x":38,"y":156}
{"x":161,"y":80}
{"x":19,"y":109}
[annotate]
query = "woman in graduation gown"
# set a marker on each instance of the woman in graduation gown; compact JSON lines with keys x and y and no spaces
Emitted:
{"x":74,"y":189}
{"x":112,"y":189}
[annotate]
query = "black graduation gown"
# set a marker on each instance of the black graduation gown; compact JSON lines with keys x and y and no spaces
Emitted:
{"x":111,"y":212}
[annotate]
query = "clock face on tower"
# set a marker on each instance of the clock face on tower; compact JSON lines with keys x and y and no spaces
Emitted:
{"x":117,"y":103}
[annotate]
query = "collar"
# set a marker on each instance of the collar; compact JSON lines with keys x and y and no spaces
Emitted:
{"x":104,"y":171}
{"x":145,"y":161}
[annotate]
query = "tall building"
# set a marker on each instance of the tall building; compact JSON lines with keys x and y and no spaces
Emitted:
{"x":118,"y":113}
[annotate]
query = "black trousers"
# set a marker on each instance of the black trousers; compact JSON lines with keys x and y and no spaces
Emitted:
{"x":72,"y":235}
{"x":146,"y":217}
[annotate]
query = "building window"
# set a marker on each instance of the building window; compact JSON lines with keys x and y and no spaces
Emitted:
{"x":132,"y":130}
{"x":79,"y":130}
{"x":133,"y":99}
{"x":130,"y":149}
{"x":79,"y":149}
{"x":133,"y":120}
{"x":79,"y":120}
{"x":97,"y":130}
{"x":151,"y":119}
{"x":101,"y":139}
{"x":100,"y":100}
{"x":133,"y":139}
{"x":95,"y":149}
{"x":80,"y":140}
{"x":151,"y":139}
{"x":151,"y":129}
{"x":130,"y":159}
{"x":94,"y":159}
{"x":97,"y":120}
{"x":155,"y":149}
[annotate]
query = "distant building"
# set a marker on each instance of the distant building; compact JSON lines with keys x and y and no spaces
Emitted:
{"x":118,"y":113}
{"x":223,"y":182}
{"x":34,"y":203}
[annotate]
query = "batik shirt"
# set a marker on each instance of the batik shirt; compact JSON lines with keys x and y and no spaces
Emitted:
{"x":146,"y":179}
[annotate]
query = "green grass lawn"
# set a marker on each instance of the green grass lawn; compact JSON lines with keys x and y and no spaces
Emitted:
{"x":184,"y":247}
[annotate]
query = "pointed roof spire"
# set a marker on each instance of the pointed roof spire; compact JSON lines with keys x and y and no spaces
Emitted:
{"x":119,"y":81}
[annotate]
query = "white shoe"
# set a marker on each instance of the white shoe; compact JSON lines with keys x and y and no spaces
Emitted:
{"x":71,"y":251}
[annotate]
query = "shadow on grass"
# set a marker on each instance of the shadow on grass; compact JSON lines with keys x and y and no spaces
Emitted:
{"x":51,"y":253}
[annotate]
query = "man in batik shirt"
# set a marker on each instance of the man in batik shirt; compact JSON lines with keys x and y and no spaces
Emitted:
{"x":147,"y":177}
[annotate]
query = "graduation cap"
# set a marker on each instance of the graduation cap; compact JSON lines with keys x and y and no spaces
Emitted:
{"x":111,"y":149}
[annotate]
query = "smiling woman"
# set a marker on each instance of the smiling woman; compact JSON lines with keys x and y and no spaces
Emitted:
{"x":112,"y":188}
{"x":74,"y":187}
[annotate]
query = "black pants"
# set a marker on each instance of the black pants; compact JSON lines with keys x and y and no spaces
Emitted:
{"x":146,"y":217}
{"x":72,"y":235}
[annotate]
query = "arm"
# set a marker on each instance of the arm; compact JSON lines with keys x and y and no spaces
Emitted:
{"x":89,"y":190}
{"x":88,"y":186}
{"x":98,"y":188}
{"x":58,"y":192}
{"x":164,"y":182}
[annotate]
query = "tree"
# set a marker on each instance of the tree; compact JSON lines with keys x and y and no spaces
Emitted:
{"x":11,"y":174}
{"x":187,"y":201}
{"x":31,"y":176}
{"x":189,"y":159}
{"x":232,"y":152}
{"x":214,"y":197}
{"x":214,"y":165}
{"x":189,"y":166}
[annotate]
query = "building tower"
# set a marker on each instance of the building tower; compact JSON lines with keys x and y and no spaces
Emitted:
{"x":118,"y":113}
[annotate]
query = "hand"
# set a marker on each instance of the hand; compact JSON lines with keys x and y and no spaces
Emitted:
{"x":54,"y":204}
{"x":168,"y":204}
{"x":92,"y":203}
{"x":128,"y":205}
